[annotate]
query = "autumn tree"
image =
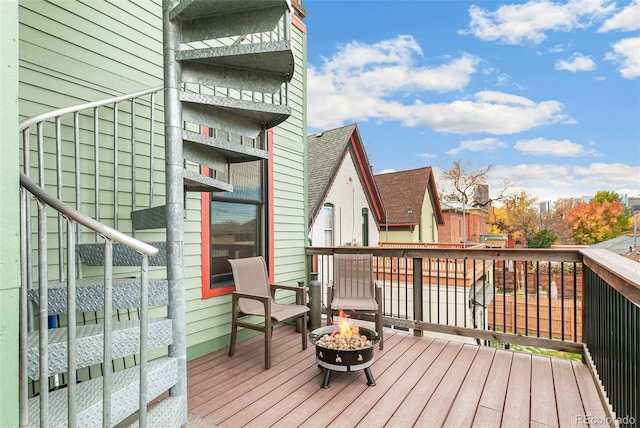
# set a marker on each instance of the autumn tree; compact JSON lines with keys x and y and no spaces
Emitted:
{"x":517,"y":217}
{"x":604,"y":218}
{"x":555,"y":219}
{"x":469,"y":187}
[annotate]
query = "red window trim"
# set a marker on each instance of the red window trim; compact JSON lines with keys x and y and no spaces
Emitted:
{"x":205,"y":234}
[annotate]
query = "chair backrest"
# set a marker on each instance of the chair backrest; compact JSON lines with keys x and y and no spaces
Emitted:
{"x":250,"y":276}
{"x":353,"y":277}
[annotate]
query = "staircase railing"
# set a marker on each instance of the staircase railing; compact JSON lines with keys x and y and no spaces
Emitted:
{"x":95,"y":127}
{"x":73,"y":218}
{"x":85,"y":158}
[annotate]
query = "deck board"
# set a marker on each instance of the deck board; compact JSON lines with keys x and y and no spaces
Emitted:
{"x":420,"y":381}
{"x":517,"y":402}
{"x":464,"y":407}
{"x":543,"y":399}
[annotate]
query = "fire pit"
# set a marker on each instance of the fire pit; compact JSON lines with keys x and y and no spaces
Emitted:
{"x":338,"y":349}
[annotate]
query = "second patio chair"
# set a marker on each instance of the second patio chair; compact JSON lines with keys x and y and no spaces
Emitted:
{"x":353,"y":289}
{"x":255,"y":296}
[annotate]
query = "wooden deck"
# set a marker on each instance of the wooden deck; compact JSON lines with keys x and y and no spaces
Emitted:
{"x":422,"y":382}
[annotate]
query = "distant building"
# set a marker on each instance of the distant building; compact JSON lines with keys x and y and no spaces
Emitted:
{"x":545,"y":206}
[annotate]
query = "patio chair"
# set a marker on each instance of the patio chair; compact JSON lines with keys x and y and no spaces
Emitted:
{"x":354,"y":291}
{"x":254,"y":296}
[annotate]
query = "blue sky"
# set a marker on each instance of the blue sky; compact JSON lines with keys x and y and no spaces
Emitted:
{"x":547,"y":93}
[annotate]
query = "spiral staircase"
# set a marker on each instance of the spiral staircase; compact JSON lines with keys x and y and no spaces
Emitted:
{"x":227,"y":65}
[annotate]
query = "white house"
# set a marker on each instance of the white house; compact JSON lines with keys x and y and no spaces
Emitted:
{"x":345,"y":208}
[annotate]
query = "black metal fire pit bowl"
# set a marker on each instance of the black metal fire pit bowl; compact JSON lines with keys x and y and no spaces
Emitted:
{"x":344,"y":360}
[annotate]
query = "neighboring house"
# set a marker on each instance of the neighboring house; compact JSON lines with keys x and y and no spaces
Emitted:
{"x":412,"y":205}
{"x":344,"y":203}
{"x":62,"y":54}
{"x":458,"y":221}
{"x":626,"y":245}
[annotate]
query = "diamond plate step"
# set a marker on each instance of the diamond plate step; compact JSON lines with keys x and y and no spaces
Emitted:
{"x":170,"y":412}
{"x":273,"y":60}
{"x":93,"y":255}
{"x":150,"y":218}
{"x":215,"y":111}
{"x":214,"y":19}
{"x":89,"y":349}
{"x":90,"y":294}
{"x":195,"y":182}
{"x":212,"y":151}
{"x":162,"y":375}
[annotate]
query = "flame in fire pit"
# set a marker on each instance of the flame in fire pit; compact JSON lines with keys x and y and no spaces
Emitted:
{"x":345,"y":327}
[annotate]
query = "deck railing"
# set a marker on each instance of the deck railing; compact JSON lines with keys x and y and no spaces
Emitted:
{"x":504,"y":296}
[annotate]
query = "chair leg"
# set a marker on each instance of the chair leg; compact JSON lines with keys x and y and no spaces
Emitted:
{"x":268,"y":332}
{"x":380,"y":329}
{"x":232,"y":342}
{"x":329,"y":311}
{"x":304,"y":331}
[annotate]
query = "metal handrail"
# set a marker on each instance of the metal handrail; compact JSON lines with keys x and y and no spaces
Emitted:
{"x":74,"y":109}
{"x":85,"y":220}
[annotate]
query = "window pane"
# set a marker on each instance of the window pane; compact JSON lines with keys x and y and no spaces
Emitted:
{"x":234,"y":234}
{"x":246,"y":178}
{"x":328,"y":225}
{"x":328,"y":216}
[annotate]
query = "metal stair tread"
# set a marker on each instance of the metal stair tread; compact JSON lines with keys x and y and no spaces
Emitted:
{"x":268,"y":114}
{"x":150,"y":218}
{"x":93,"y":254}
{"x":234,"y":152}
{"x":125,"y":392}
{"x":195,"y":182}
{"x":90,"y":294}
{"x":167,"y":413}
{"x":271,"y":57}
{"x":191,"y":9}
{"x":89,"y":347}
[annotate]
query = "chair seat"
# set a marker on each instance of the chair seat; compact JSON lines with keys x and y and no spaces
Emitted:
{"x":283,"y":312}
{"x":354,"y":304}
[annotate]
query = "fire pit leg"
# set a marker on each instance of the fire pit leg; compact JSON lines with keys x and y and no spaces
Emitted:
{"x":325,"y":380}
{"x":369,"y":375}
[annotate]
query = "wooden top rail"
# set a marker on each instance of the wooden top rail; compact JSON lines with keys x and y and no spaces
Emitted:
{"x":525,"y":254}
{"x":620,"y":273}
{"x":430,"y":245}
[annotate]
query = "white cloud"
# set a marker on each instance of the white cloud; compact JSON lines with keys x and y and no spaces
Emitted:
{"x":577,"y":62}
{"x":529,"y":22}
{"x":483,"y":145}
{"x":386,"y":171}
{"x":626,"y":52}
{"x":555,"y":148}
{"x":549,"y":182}
{"x":628,"y":19}
{"x":491,"y":112}
{"x":371,"y":82}
{"x":427,"y":155}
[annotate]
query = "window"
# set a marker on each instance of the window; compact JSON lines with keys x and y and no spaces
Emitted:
{"x":328,"y":225}
{"x":237,"y":220}
{"x":365,"y":227}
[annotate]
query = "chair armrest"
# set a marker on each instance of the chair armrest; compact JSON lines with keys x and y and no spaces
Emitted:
{"x":239,"y":295}
{"x":301,"y":295}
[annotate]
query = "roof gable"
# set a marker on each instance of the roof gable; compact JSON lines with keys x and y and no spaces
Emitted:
{"x":326,"y":152}
{"x":403,"y":193}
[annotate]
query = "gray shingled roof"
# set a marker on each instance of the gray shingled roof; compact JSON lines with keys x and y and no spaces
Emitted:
{"x":324,"y":149}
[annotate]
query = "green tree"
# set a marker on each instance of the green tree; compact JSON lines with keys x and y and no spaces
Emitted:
{"x":543,"y":238}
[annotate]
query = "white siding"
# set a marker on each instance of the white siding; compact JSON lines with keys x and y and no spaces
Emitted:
{"x":348,"y":196}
